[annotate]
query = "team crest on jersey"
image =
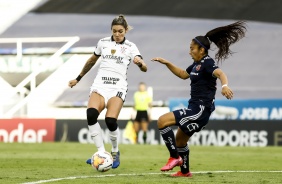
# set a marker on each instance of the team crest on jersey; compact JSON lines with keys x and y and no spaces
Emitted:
{"x":198,"y":67}
{"x":113,"y":51}
{"x":122,"y":49}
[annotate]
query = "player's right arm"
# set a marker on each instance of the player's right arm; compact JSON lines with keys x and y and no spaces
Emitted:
{"x":88,"y":65}
{"x":173,"y":68}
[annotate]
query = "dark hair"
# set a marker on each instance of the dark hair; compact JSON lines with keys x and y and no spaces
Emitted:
{"x":120,"y":20}
{"x":222,"y":37}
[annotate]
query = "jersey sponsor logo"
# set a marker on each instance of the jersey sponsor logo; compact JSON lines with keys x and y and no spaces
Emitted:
{"x":118,"y":59}
{"x":110,"y":80}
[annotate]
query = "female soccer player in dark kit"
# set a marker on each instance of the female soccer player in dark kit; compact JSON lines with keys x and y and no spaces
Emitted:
{"x":110,"y":84}
{"x":203,"y":73}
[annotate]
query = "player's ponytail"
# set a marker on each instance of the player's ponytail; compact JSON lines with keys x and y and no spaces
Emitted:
{"x":222,"y":37}
{"x":120,"y":20}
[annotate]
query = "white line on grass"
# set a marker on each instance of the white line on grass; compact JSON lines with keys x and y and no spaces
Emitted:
{"x":134,"y":174}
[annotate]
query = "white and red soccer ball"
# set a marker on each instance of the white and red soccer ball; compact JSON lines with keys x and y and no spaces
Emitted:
{"x":102,"y":161}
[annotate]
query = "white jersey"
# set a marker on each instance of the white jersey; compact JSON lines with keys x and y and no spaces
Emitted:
{"x":115,"y":59}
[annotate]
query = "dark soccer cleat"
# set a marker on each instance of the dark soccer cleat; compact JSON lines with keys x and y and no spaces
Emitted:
{"x":116,"y":160}
{"x":89,"y":161}
{"x":172,"y":162}
{"x":180,"y":174}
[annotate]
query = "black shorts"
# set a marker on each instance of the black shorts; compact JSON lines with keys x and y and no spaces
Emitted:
{"x":193,"y":119}
{"x":142,"y":116}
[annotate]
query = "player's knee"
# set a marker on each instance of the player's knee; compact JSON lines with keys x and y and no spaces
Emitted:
{"x":161,"y":122}
{"x":92,"y":116}
{"x":111,"y":123}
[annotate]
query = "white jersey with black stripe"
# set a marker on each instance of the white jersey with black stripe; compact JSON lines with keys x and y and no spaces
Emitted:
{"x":115,"y":59}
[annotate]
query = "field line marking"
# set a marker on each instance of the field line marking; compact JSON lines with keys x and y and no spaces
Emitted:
{"x":134,"y":174}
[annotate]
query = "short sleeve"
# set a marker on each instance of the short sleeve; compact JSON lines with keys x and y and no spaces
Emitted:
{"x":189,"y":69}
{"x":210,"y":65}
{"x":134,"y":52}
{"x":98,"y":49}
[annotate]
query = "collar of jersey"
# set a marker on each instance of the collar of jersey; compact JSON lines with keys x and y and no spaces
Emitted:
{"x":112,"y":38}
{"x":203,"y":59}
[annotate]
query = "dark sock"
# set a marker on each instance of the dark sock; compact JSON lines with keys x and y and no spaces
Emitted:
{"x":184,"y":153}
{"x":169,"y":139}
{"x":144,"y":137}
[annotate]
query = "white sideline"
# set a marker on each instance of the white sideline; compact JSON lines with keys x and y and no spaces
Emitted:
{"x":134,"y":174}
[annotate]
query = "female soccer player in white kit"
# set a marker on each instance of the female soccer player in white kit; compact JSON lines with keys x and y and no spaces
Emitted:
{"x":110,"y":84}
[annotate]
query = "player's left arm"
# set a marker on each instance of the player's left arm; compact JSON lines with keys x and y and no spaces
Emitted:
{"x":225,"y":91}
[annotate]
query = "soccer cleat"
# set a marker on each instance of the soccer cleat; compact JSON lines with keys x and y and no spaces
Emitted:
{"x":180,"y":174}
{"x":172,"y":162}
{"x":116,"y":160}
{"x":89,"y":161}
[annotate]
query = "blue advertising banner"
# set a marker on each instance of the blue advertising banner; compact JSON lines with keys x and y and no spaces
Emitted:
{"x":239,"y":109}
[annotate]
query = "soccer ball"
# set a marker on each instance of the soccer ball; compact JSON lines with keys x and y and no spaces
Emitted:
{"x":102,"y":161}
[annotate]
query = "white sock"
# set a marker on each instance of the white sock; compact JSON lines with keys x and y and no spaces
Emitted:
{"x":96,"y":134}
{"x":114,"y":139}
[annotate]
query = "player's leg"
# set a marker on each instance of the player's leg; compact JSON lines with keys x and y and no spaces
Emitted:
{"x":164,"y":123}
{"x":113,"y":109}
{"x":95,"y":105}
{"x":136,"y":129}
{"x":183,"y":150}
{"x":189,"y":121}
{"x":136,"y":124}
{"x":144,"y":127}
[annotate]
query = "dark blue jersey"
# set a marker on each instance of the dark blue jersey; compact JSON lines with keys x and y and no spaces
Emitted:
{"x":203,"y":83}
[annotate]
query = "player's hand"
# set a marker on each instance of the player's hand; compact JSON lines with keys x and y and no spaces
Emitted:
{"x":227,"y":92}
{"x":137,"y":60}
{"x":73,"y":83}
{"x":160,"y":60}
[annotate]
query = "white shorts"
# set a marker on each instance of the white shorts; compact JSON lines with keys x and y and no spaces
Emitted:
{"x":108,"y":93}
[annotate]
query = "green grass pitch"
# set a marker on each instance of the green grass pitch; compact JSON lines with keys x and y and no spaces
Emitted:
{"x":65,"y":163}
